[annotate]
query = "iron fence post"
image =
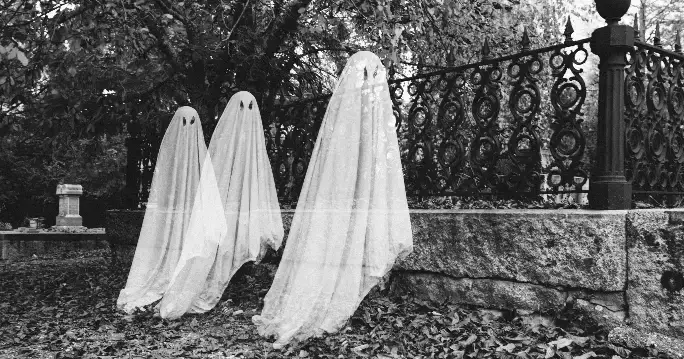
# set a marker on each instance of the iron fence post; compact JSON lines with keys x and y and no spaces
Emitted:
{"x":131,"y":190}
{"x":609,"y":188}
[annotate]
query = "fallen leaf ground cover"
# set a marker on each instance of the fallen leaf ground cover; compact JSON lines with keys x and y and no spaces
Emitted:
{"x":67,"y":309}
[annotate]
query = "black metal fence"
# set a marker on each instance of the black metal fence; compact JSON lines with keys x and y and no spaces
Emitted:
{"x":476,"y":129}
{"x":482,"y":128}
{"x":291,"y":132}
{"x":142,"y":149}
{"x":654,"y":109}
{"x":515,"y":125}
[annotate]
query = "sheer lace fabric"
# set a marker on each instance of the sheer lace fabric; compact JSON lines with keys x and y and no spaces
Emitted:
{"x":241,"y":184}
{"x":162,"y":236}
{"x":351,"y":221}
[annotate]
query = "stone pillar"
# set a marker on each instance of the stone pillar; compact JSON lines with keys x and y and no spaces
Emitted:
{"x":609,"y":188}
{"x":68,"y":205}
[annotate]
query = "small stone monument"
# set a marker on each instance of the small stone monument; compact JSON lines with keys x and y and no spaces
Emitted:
{"x":68,"y":205}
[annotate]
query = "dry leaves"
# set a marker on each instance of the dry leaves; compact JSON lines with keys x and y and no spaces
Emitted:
{"x":67,"y":309}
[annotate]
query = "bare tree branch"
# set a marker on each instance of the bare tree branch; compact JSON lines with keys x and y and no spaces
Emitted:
{"x":232,"y":30}
{"x":189,"y":26}
{"x":163,"y":44}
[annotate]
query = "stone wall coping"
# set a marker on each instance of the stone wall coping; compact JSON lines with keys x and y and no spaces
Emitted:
{"x":47,"y":232}
{"x":521,"y":211}
{"x":50,"y":236}
{"x":503,"y":211}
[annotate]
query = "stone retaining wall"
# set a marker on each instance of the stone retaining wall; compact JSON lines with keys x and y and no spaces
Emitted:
{"x":619,"y":267}
{"x":655,"y":257}
{"x":16,"y":246}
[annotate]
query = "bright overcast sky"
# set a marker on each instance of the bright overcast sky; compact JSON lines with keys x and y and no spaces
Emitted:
{"x":584,"y":29}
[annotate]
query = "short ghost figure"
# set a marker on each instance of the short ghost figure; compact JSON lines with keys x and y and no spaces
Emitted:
{"x":162,"y":237}
{"x":249,"y":201}
{"x":352,"y":220}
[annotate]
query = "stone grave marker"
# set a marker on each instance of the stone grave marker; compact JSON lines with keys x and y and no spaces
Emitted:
{"x":69,"y":195}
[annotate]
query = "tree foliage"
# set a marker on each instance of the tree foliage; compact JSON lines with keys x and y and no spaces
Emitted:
{"x":668,"y":14}
{"x":88,"y":68}
{"x":83,"y":72}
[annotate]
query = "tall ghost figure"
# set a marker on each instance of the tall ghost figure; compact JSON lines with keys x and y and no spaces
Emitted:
{"x":249,"y":200}
{"x":162,"y":237}
{"x":352,"y":220}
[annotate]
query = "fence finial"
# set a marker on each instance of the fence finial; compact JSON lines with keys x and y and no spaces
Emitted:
{"x":656,"y":36}
{"x":525,"y":42}
{"x":637,"y":35}
{"x":486,"y":52}
{"x":678,"y":42}
{"x":612,"y":10}
{"x":569,"y":30}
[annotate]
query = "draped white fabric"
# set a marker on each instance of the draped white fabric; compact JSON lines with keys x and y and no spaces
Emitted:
{"x":162,"y":237}
{"x":206,"y":227}
{"x":352,"y":221}
{"x":247,"y":195}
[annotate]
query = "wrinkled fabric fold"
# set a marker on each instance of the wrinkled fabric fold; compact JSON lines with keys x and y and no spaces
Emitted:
{"x":206,"y":227}
{"x":351,"y":222}
{"x":162,"y":236}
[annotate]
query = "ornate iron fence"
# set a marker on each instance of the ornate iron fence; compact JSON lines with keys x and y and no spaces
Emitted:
{"x":654,"y":113}
{"x":142,"y":147}
{"x":483,"y":128}
{"x":291,"y":132}
{"x":477,"y":129}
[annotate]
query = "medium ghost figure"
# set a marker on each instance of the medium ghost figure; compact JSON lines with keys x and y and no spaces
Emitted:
{"x":162,"y":237}
{"x":352,"y":220}
{"x":247,"y":196}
